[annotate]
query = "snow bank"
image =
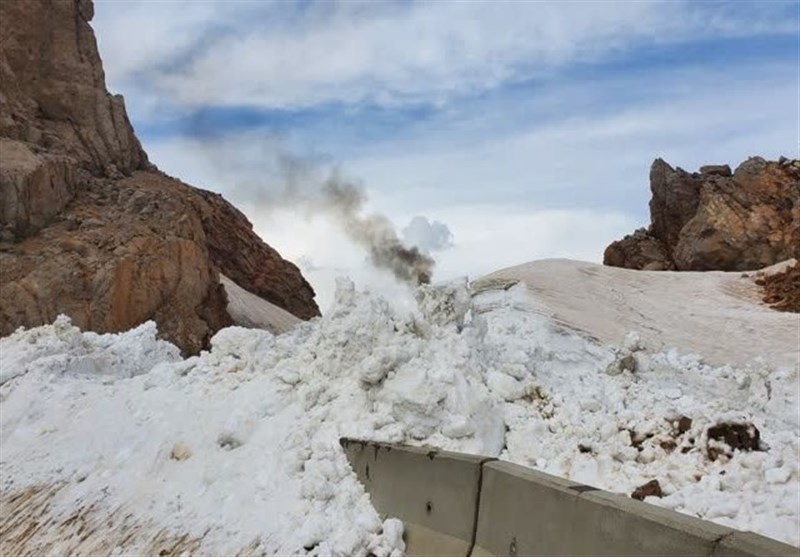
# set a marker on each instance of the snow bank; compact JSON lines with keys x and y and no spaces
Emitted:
{"x":61,"y":349}
{"x":238,"y":447}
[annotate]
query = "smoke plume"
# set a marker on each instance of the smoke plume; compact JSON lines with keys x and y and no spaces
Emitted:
{"x":269,"y":177}
{"x":375,"y":233}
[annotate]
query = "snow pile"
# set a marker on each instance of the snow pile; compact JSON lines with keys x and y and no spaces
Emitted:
{"x":238,"y":447}
{"x":619,"y":431}
{"x":61,"y":348}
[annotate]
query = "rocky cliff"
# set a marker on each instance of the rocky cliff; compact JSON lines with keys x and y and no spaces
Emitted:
{"x":89,"y":227}
{"x":716,"y":219}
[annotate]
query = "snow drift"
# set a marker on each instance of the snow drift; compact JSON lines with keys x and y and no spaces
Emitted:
{"x":112,"y":443}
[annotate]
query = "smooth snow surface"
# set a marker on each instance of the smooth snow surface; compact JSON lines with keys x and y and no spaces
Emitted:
{"x":248,"y":310}
{"x":715,"y":314}
{"x":237,"y":449}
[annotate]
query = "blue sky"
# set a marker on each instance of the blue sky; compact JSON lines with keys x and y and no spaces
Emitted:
{"x":528,"y":128}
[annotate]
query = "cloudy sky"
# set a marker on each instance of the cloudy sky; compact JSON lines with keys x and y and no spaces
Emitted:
{"x":513,"y":130}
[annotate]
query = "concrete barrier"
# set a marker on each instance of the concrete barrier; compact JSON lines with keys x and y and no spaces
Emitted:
{"x":434,"y":493}
{"x":457,"y":504}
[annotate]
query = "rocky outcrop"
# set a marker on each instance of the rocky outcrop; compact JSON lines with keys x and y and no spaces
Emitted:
{"x":244,"y":258}
{"x":53,"y":87}
{"x":716,"y":219}
{"x":36,"y":187}
{"x":88,"y":227}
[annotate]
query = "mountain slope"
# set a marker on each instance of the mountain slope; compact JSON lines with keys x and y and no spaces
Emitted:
{"x":88,"y":227}
{"x":717,"y":315}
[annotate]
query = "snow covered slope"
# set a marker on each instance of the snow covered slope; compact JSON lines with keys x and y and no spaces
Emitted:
{"x":715,"y":314}
{"x":248,"y":310}
{"x":112,"y":443}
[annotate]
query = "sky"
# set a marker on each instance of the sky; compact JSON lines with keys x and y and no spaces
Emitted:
{"x":489,"y":133}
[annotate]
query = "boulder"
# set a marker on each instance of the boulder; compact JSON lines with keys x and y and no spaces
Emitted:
{"x":639,"y":250}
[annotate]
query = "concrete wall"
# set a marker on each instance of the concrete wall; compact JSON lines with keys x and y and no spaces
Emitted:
{"x":457,"y":504}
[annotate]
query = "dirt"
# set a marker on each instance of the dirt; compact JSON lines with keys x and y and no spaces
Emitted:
{"x":782,"y":290}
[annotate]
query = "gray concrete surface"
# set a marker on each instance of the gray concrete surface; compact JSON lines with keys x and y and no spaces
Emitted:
{"x":746,"y":544}
{"x":456,"y":504}
{"x":434,"y":493}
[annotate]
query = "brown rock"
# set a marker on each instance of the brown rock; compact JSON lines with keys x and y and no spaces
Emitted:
{"x":782,"y":290}
{"x":113,"y":276}
{"x":33,"y":187}
{"x":650,"y":489}
{"x":668,"y":445}
{"x":716,"y":220}
{"x":52,"y":87}
{"x":716,"y":169}
{"x":639,"y":250}
{"x":676,"y":195}
{"x":744,"y":437}
{"x":88,"y":228}
{"x":243,"y":257}
{"x":684,"y":424}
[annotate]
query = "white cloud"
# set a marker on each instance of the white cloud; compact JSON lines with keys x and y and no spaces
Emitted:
{"x":264,"y":54}
{"x":595,"y":154}
{"x":427,"y":236}
{"x":564,"y":189}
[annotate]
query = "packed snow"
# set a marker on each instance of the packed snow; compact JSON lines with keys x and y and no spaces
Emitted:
{"x":236,"y":450}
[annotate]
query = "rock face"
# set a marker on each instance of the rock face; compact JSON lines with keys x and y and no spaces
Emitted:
{"x":53,"y":87}
{"x":716,"y":219}
{"x":36,"y":187}
{"x":87,"y":226}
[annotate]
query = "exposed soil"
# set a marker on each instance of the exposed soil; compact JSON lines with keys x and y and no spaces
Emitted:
{"x":782,"y":290}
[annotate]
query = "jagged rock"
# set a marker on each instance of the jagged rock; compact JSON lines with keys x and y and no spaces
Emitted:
{"x":676,"y":195}
{"x":650,"y":489}
{"x":716,"y":220}
{"x":716,"y":169}
{"x":243,"y":257}
{"x":88,"y":227}
{"x":33,"y":187}
{"x":53,"y":87}
{"x":132,"y":264}
{"x":639,"y":250}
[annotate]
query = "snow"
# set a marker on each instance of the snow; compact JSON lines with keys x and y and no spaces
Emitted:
{"x":248,"y":310}
{"x":237,"y":449}
{"x":715,"y":314}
